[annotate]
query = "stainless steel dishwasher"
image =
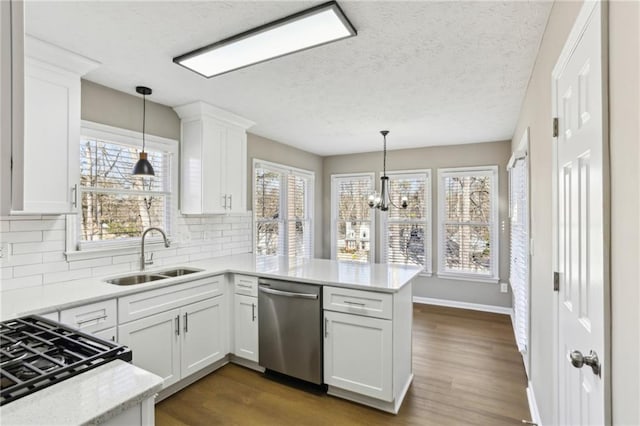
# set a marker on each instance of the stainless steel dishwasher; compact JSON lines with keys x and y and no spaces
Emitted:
{"x":290,"y":329}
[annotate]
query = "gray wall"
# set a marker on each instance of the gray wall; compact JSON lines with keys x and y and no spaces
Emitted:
{"x":480,"y":154}
{"x":101,"y":104}
{"x":624,"y":20}
{"x":269,"y":150}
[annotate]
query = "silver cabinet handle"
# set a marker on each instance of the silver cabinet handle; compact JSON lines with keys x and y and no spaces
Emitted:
{"x":244,"y":285}
{"x":75,"y":195}
{"x":354,"y":303}
{"x":186,"y":322}
{"x":91,"y":319}
{"x":177,"y":325}
{"x":253,"y":312}
{"x":225,"y":201}
{"x":230,"y":202}
{"x":288,"y":293}
{"x":326,"y":327}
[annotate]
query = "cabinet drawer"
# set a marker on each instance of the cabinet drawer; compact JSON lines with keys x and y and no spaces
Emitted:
{"x":367,"y":303}
{"x":92,"y":317}
{"x":245,"y":284}
{"x":151,"y":302}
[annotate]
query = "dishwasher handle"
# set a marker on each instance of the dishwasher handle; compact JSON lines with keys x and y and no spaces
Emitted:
{"x":287,"y":293}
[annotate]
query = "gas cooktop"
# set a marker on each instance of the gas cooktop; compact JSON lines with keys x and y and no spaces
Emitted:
{"x":36,"y":352}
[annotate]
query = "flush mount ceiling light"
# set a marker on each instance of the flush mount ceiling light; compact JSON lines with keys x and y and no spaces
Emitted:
{"x":313,"y":27}
{"x":143,"y":167}
{"x":383,"y":200}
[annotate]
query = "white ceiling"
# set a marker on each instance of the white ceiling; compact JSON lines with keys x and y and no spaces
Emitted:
{"x":434,"y":73}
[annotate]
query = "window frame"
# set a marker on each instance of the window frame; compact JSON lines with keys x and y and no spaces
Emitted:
{"x":384,"y":220}
{"x":334,"y":215}
{"x":493,"y":276}
{"x":78,"y":250}
{"x":285,"y":170}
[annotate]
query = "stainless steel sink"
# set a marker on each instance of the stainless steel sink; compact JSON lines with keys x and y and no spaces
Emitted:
{"x":140,"y":278}
{"x":178,"y":272}
{"x":136,"y":279}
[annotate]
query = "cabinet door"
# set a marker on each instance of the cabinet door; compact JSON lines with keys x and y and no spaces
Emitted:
{"x":236,"y":169}
{"x":246,"y":327}
{"x":108,"y":334}
{"x":154,"y":342}
{"x":358,"y":354}
{"x":213,"y":166}
{"x":203,"y":334}
{"x":51,"y":139}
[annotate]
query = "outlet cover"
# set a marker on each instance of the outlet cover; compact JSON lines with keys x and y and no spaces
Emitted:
{"x":504,"y":287}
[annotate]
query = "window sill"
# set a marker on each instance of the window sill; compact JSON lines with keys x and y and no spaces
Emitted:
{"x":468,"y":277}
{"x":109,"y":251}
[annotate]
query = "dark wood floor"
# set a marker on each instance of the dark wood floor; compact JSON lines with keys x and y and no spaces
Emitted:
{"x":467,"y":372}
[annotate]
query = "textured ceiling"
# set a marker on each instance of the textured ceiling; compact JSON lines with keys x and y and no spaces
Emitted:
{"x":434,"y":73}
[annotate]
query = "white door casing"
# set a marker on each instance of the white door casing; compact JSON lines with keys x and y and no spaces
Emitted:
{"x":581,"y":215}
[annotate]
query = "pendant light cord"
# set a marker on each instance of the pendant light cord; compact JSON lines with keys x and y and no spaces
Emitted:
{"x":144,"y":116}
{"x":384,"y":157}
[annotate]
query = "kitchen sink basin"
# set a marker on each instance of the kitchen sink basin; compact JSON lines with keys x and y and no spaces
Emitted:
{"x":136,"y":279}
{"x":141,"y":277}
{"x":178,"y":272}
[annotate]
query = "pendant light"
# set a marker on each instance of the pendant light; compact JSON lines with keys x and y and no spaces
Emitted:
{"x":143,"y":167}
{"x":383,"y":200}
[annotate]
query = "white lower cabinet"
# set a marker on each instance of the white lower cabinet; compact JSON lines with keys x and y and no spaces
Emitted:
{"x":176,"y":343}
{"x":110,"y":334}
{"x":358,"y":354}
{"x":246,"y":327}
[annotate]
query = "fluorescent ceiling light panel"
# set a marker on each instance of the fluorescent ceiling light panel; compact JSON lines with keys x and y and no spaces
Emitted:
{"x":319,"y":25}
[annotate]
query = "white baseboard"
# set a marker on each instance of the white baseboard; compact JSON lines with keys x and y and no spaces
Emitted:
{"x":533,"y":406}
{"x":463,"y":305}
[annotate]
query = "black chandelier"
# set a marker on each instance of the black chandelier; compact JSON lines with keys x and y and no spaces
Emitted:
{"x":383,"y":200}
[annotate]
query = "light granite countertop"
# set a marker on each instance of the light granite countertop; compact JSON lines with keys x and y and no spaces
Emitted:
{"x":363,"y":276}
{"x":92,"y":397}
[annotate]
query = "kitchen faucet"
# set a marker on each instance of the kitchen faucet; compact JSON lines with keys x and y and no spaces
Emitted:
{"x":143,"y":261}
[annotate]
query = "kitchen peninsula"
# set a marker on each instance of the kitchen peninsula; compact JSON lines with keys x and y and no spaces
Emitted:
{"x":369,"y":301}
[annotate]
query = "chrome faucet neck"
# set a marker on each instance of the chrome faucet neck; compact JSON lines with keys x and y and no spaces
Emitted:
{"x":144,"y":234}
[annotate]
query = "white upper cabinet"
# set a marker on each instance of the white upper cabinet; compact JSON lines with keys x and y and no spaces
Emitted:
{"x":213,"y":160}
{"x":46,"y":159}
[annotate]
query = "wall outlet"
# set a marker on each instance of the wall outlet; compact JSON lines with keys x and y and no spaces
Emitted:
{"x":504,"y":287}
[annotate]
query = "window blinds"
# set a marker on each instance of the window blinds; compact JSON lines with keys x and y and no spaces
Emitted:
{"x":115,"y":204}
{"x":519,"y":254}
{"x":352,"y":227}
{"x":282,"y":209}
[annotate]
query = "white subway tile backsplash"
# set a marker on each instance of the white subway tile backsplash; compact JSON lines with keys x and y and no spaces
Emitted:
{"x":35,"y":247}
{"x":21,"y":236}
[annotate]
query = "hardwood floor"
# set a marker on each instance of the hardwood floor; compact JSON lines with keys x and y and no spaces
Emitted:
{"x":467,"y":372}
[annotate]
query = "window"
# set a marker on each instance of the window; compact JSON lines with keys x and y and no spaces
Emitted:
{"x":519,"y":253}
{"x":352,"y":219}
{"x":282,"y":198}
{"x":406,"y":233}
{"x":117,"y":207}
{"x":467,"y":223}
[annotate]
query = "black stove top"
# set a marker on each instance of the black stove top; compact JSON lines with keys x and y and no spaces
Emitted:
{"x":36,"y":352}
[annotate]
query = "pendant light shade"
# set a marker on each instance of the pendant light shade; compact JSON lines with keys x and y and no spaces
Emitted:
{"x":143,"y":167}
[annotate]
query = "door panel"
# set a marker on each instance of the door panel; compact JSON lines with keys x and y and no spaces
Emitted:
{"x":246,"y":327}
{"x":581,"y":234}
{"x":203,"y":331}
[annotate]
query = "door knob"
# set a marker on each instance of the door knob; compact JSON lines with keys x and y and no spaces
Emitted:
{"x":578,"y":360}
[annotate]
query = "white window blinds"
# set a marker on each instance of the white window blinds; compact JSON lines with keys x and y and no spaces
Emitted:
{"x":406,"y":232}
{"x":352,"y":228}
{"x":519,"y":254}
{"x":467,"y":223}
{"x":116,"y":205}
{"x":282,"y":210}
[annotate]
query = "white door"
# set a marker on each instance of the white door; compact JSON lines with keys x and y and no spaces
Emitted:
{"x":358,"y":354}
{"x":203,"y":334}
{"x":154,"y":342}
{"x":235,"y":168}
{"x":246,"y":327}
{"x":581,"y":171}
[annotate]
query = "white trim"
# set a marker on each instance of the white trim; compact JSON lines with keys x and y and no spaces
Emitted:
{"x":462,"y":305}
{"x":198,"y":109}
{"x":533,"y":405}
{"x":494,"y":223}
{"x":334,"y":214}
{"x":428,"y":242}
{"x":54,"y":55}
{"x":468,"y":277}
{"x":130,"y":137}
